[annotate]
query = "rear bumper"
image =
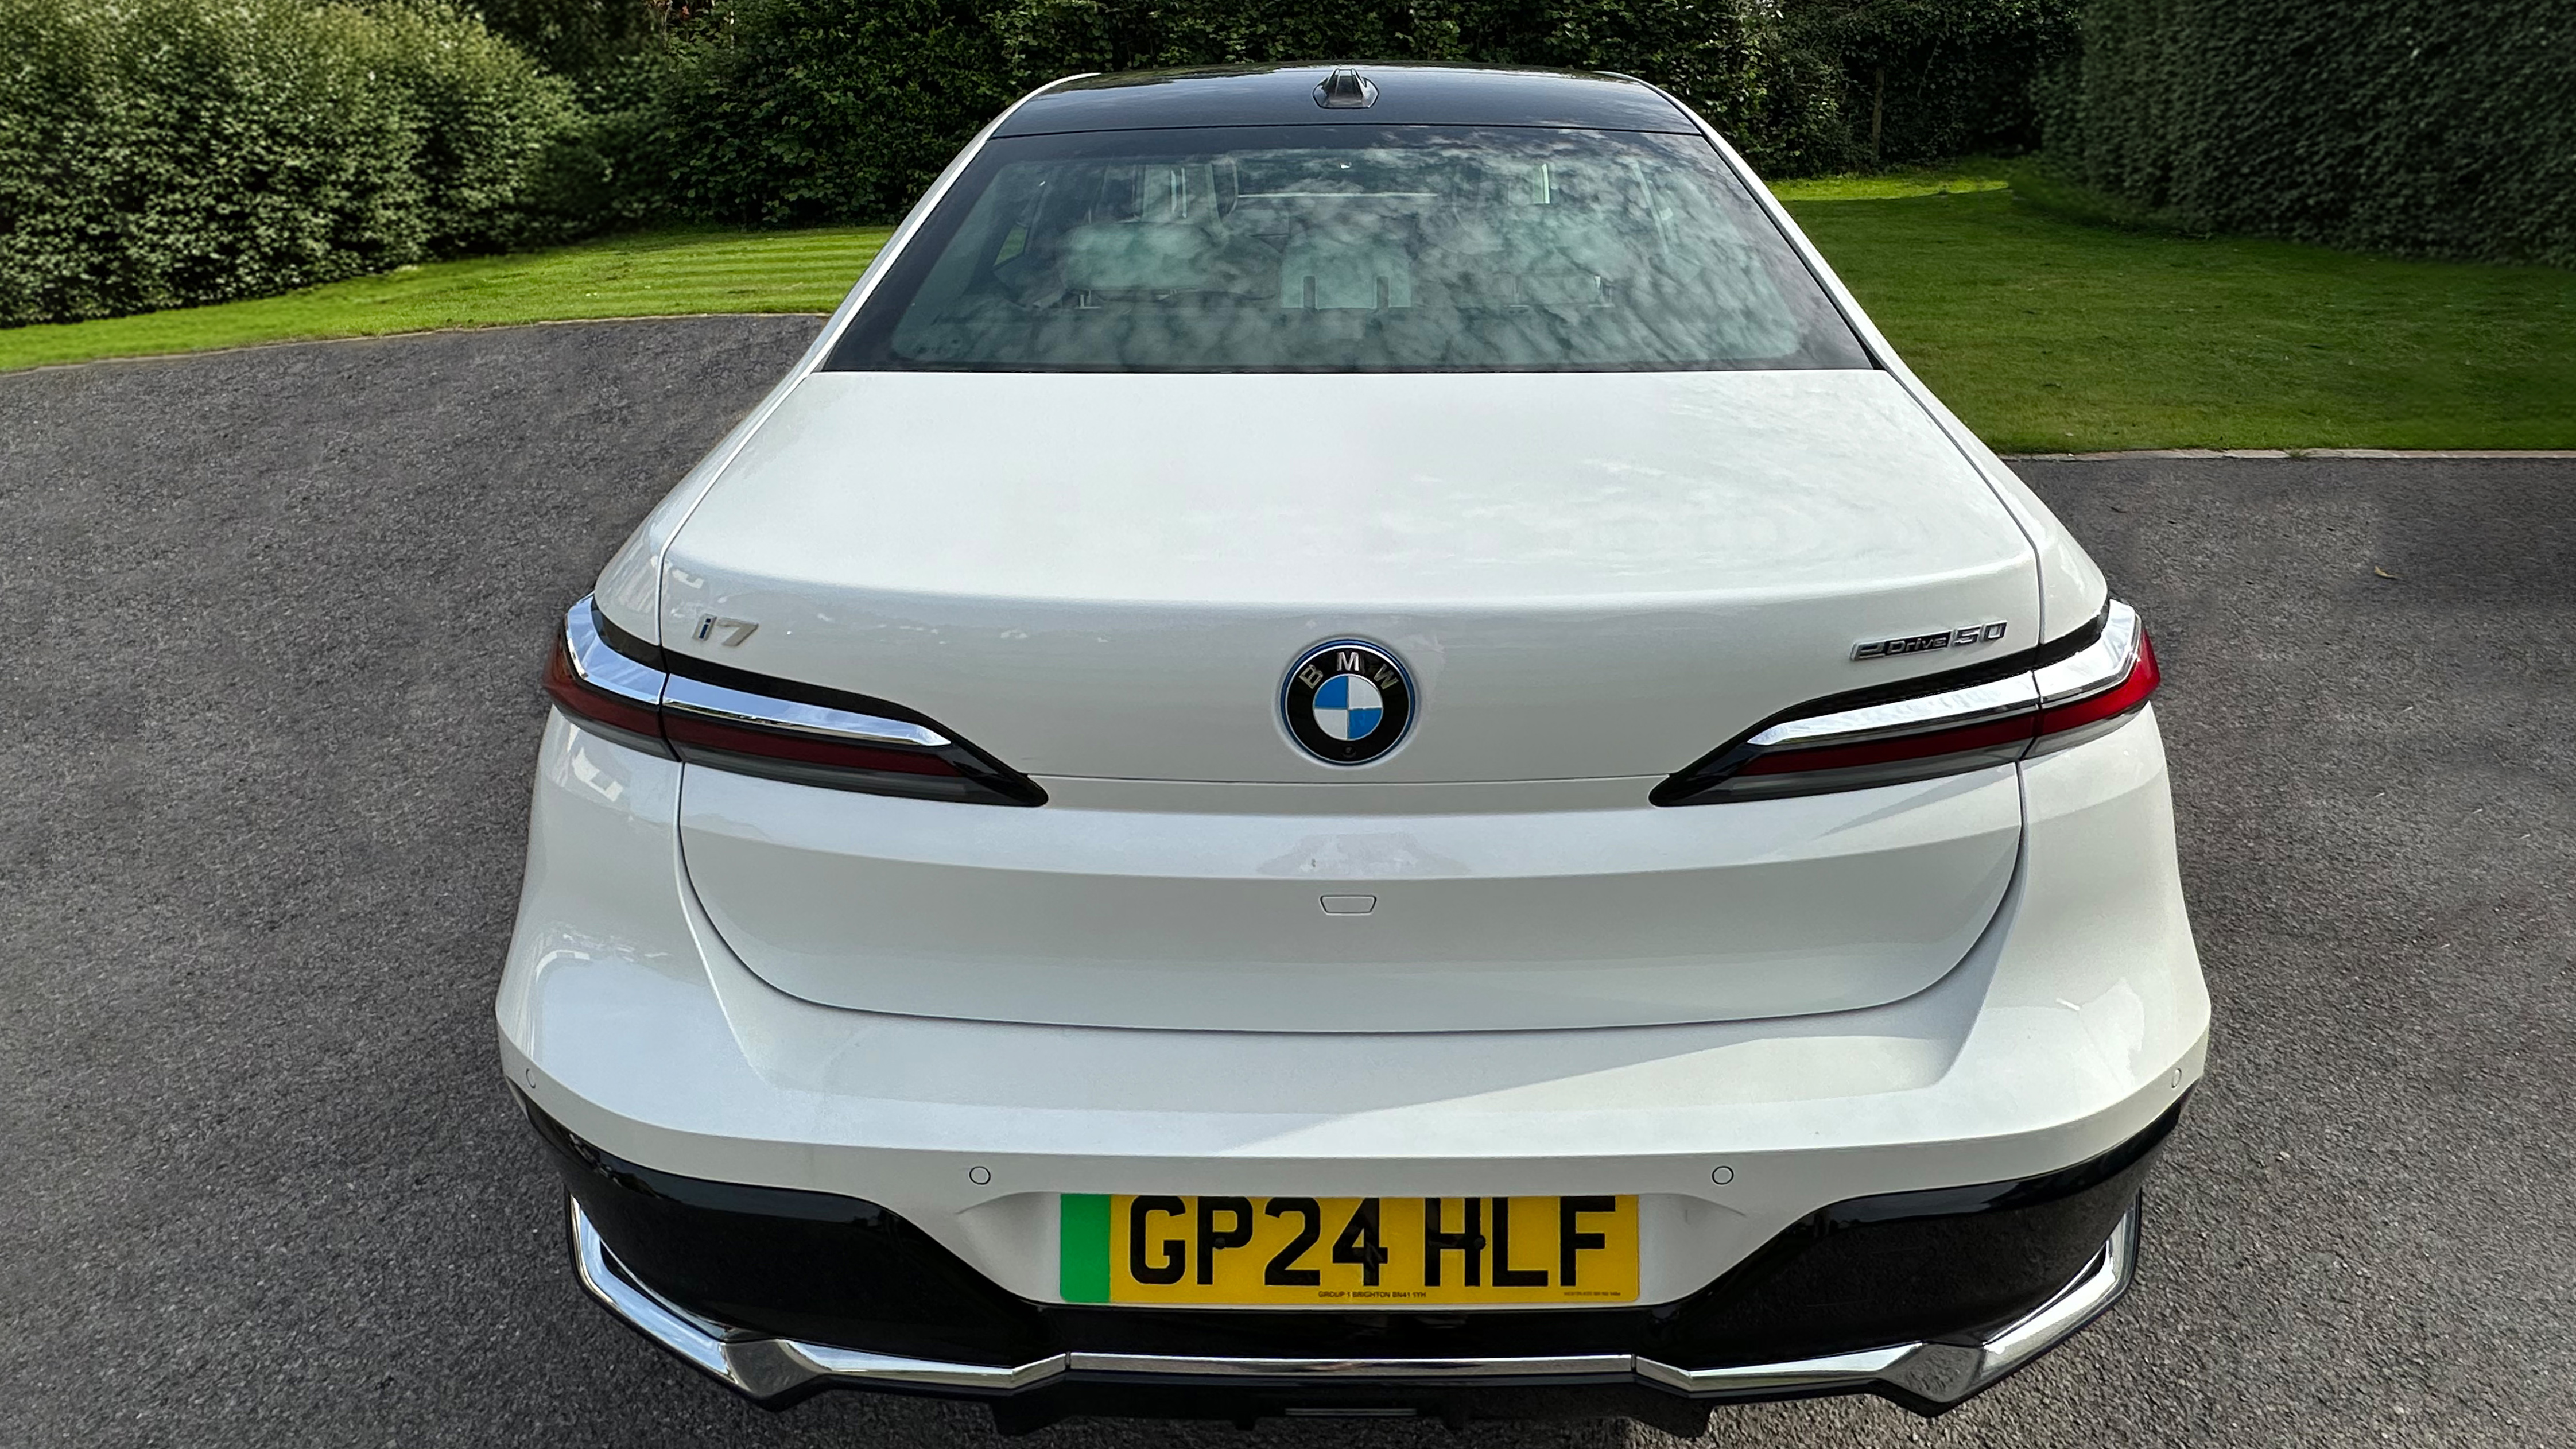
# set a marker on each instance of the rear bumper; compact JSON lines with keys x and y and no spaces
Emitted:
{"x":2075,"y":1025}
{"x":2077,"y":1020}
{"x":1923,"y":1298}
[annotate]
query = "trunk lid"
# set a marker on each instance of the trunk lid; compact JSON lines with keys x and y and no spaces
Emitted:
{"x":1594,"y":579}
{"x":1588,"y":574}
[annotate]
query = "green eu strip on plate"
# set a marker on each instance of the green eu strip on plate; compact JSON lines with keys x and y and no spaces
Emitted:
{"x":1084,"y":1255}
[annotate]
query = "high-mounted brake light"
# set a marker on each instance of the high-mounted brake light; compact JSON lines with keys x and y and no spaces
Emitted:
{"x":2083,"y":686}
{"x":623,"y":689}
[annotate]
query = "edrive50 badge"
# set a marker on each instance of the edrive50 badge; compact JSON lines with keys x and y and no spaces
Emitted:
{"x":1347,"y":702}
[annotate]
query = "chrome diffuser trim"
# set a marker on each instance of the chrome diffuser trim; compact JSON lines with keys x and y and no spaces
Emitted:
{"x":1940,"y":1373}
{"x":1291,"y":1370}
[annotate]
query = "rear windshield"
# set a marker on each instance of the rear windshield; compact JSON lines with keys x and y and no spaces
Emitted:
{"x":1347,"y":249}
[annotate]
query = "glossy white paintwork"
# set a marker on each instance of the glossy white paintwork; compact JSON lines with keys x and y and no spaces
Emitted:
{"x":1595,"y":579}
{"x":2071,"y":584}
{"x":629,"y":588}
{"x":1101,"y":578}
{"x":1490,"y":919}
{"x":1590,"y":574}
{"x":2076,"y":1019}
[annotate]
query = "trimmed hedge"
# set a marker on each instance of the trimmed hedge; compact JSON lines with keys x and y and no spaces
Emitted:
{"x":1925,"y":80}
{"x":783,"y":112}
{"x":2418,"y":127}
{"x":774,"y":112}
{"x":157,"y":153}
{"x":576,"y":38}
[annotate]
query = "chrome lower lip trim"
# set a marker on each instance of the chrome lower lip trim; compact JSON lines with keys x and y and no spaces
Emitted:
{"x":1939,"y":1373}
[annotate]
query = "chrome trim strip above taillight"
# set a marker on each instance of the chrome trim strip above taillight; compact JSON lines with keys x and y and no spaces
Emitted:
{"x":614,"y":685}
{"x":683,"y":695}
{"x":1998,"y":699}
{"x":602,"y":667}
{"x":1974,"y":723}
{"x":2097,"y":666}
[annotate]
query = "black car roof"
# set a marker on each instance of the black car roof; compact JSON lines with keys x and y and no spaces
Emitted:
{"x":1405,"y":95}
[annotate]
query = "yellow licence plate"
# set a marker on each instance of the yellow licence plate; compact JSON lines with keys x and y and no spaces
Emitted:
{"x":1348,"y":1251}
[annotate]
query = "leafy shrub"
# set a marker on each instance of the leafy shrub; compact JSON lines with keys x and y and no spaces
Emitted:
{"x":797,"y":111}
{"x":483,"y":119}
{"x":157,"y":153}
{"x":788,"y":111}
{"x":163,"y":152}
{"x":576,"y":38}
{"x":1921,"y":80}
{"x":2426,"y":127}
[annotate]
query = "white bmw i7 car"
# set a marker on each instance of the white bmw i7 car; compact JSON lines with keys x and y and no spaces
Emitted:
{"x":1350,"y":745}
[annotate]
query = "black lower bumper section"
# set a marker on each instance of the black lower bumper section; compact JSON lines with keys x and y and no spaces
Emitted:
{"x":1948,"y":1265}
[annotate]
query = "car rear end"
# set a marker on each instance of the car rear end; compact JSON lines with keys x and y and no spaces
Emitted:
{"x":1271,"y":785}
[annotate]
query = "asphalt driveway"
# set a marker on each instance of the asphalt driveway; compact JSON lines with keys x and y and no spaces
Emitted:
{"x":272,"y":626}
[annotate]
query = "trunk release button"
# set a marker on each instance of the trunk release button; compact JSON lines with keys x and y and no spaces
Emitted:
{"x":1349,"y":905}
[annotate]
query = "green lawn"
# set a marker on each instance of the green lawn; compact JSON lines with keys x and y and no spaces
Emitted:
{"x":670,"y":274}
{"x":2048,"y":335}
{"x":2045,"y":334}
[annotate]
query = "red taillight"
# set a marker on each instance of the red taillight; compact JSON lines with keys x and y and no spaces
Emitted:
{"x":588,"y":702}
{"x":619,"y":687}
{"x":691,"y":734}
{"x":2014,"y":732}
{"x":2058,"y":696}
{"x":2123,"y":698}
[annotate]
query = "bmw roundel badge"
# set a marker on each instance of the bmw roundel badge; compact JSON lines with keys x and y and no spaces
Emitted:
{"x":1347,"y":702}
